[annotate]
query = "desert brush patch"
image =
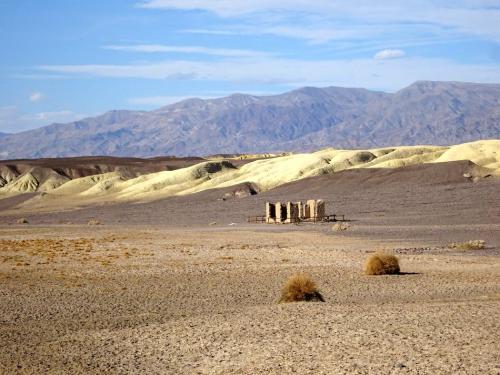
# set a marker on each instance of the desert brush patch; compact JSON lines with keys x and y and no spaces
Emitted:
{"x":381,"y":264}
{"x":300,"y":287}
{"x":468,"y":245}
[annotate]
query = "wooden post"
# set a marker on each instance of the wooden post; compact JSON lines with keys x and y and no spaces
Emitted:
{"x":300,"y":213}
{"x":278,"y":212}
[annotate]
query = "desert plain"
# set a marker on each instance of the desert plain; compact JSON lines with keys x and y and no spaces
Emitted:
{"x":185,"y":285}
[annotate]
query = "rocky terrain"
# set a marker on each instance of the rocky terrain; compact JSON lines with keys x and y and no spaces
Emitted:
{"x":440,"y":113}
{"x":203,"y":299}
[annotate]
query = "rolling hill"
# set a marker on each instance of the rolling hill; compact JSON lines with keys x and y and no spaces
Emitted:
{"x":83,"y":181}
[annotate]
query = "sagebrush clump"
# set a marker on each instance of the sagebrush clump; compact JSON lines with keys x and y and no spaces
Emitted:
{"x":300,"y":287}
{"x":468,"y":245}
{"x":381,"y":264}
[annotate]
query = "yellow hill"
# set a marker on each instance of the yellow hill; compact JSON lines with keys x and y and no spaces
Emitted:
{"x":267,"y":173}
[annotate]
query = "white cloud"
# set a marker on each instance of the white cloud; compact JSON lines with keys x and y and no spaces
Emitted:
{"x":37,"y":77}
{"x":327,"y":31}
{"x":393,"y":74}
{"x":368,"y":37}
{"x":36,"y":97}
{"x":156,"y":48}
{"x":13,"y":120}
{"x":478,"y":18}
{"x":383,"y":9}
{"x":389,"y":54}
{"x":222,"y":7}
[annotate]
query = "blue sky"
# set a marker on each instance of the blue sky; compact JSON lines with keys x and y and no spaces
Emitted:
{"x":63,"y":60}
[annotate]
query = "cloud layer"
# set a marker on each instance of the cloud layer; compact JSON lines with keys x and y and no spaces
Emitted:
{"x":158,"y":48}
{"x":478,"y":18}
{"x":387,"y":74}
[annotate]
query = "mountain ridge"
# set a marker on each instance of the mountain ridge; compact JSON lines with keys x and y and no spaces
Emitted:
{"x":305,"y":119}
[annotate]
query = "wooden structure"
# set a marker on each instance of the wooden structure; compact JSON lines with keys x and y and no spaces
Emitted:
{"x":327,"y":218}
{"x":293,"y":212}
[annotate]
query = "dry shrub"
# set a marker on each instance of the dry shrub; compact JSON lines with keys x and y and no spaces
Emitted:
{"x":381,"y":264}
{"x":300,"y":287}
{"x":468,"y":245}
{"x":340,"y":227}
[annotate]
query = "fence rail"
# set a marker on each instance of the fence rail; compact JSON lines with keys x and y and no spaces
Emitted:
{"x":327,"y":218}
{"x":256,"y":219}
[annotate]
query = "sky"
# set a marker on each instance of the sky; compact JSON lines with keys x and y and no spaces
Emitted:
{"x":63,"y":60}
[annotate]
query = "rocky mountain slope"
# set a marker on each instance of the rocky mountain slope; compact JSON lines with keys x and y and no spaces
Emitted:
{"x":438,"y":113}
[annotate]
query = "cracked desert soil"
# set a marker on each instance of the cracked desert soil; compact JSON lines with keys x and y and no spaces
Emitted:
{"x":203,"y":300}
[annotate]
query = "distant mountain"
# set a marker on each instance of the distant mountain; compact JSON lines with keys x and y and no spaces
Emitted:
{"x":300,"y":120}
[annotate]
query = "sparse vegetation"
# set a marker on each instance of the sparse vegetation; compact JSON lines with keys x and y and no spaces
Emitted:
{"x":340,"y":226}
{"x":468,"y":245}
{"x":300,"y":287}
{"x":43,"y":251}
{"x":381,"y":264}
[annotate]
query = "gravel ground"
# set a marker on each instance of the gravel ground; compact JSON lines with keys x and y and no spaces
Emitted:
{"x":203,"y":300}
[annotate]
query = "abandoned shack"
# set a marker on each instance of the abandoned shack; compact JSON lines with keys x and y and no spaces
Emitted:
{"x":293,"y":212}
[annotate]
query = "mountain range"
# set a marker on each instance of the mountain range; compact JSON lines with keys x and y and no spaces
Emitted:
{"x":305,"y":119}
